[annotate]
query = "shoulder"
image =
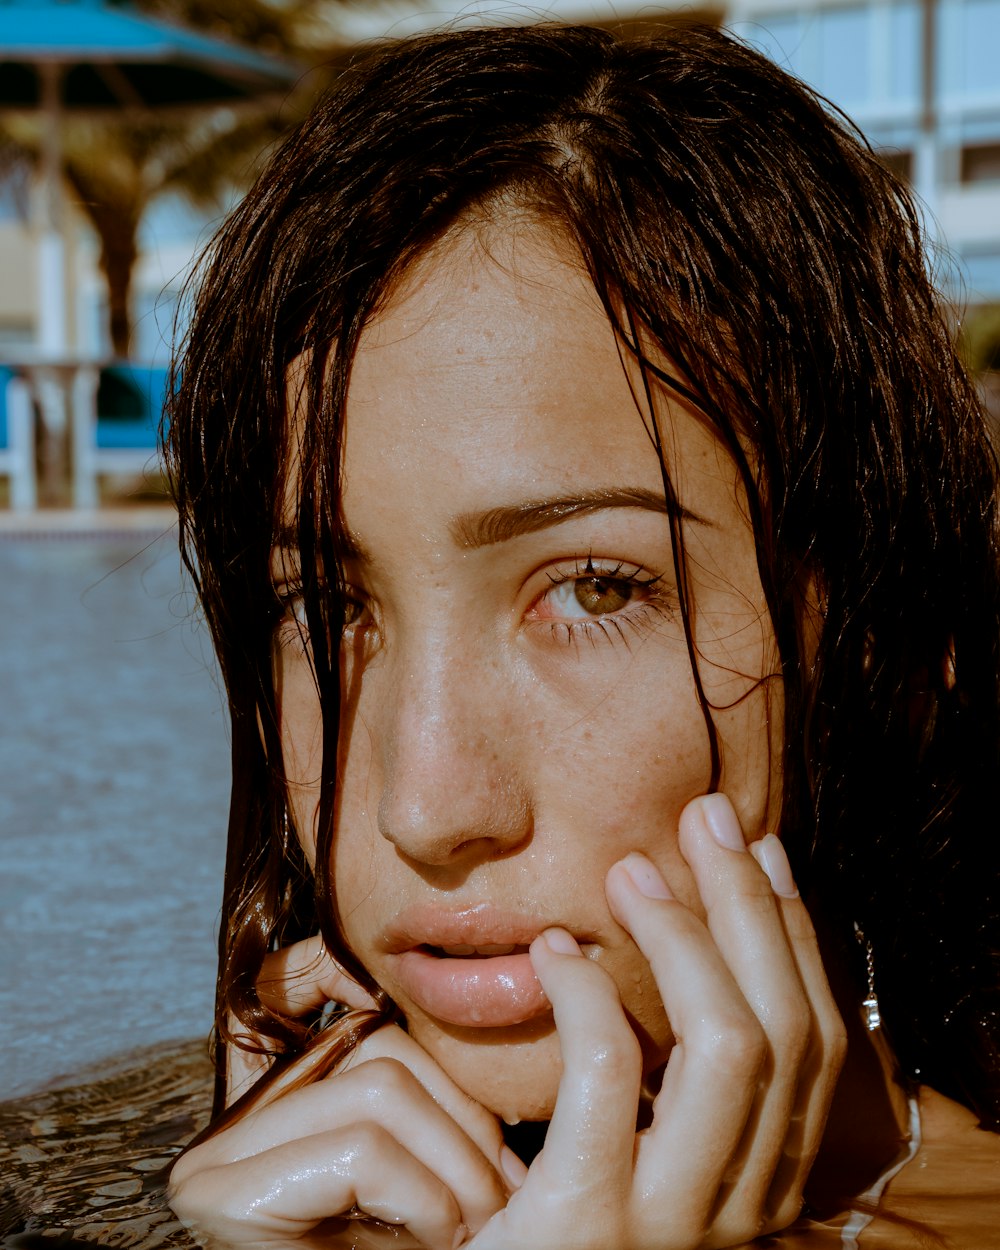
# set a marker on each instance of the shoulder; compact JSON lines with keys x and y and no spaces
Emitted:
{"x":952,"y":1184}
{"x":947,"y":1197}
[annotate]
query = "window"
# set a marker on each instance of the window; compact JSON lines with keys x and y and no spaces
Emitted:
{"x":967,"y":50}
{"x":898,"y":161}
{"x":983,"y":270}
{"x":863,"y":57}
{"x":980,"y":162}
{"x":844,"y":46}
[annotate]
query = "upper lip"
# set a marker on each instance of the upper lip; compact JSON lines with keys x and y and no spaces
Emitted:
{"x":475,"y":924}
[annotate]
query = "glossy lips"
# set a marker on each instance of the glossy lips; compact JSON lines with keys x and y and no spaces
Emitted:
{"x":495,"y":987}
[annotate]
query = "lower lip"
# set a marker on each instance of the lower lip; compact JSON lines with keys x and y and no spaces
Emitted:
{"x":479,"y":992}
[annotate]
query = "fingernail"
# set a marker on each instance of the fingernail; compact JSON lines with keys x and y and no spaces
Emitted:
{"x":561,"y":942}
{"x":645,"y":876}
{"x":770,"y":854}
{"x":723,"y":823}
{"x":514,"y":1171}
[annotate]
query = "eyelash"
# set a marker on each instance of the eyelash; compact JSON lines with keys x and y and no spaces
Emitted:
{"x":286,"y":619}
{"x":635,"y":619}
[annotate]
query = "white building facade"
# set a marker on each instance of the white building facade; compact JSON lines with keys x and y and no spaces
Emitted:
{"x":922,"y":80}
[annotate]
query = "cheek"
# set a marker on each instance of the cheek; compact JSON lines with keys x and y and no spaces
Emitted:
{"x":742,"y":683}
{"x":751,"y":740}
{"x":613,"y":774}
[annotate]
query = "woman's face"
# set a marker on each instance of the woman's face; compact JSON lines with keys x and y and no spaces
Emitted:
{"x":519,"y":705}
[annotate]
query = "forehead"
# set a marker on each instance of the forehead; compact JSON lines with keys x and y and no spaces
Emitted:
{"x":494,"y":366}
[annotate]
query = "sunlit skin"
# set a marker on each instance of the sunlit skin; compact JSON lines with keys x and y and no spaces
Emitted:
{"x":521,"y":711}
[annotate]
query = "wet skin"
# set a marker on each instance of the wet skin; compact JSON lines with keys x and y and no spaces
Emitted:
{"x":521,"y":710}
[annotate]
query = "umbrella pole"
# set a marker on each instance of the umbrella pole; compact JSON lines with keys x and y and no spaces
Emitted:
{"x":53,"y":340}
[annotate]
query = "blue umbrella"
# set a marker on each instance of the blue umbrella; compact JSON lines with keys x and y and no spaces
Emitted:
{"x":113,"y":57}
{"x":58,"y":55}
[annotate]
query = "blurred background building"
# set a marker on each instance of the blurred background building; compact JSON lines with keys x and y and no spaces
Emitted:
{"x":922,"y":80}
{"x":920,"y":77}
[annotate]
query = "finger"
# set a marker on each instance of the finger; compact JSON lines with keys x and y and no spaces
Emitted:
{"x":746,"y":923}
{"x":743,"y":918}
{"x":293,"y":981}
{"x":770,"y":854}
{"x":390,"y":1042}
{"x":828,"y":1038}
{"x":243,"y":1067}
{"x":710,"y":1081}
{"x":304,"y":977}
{"x":590,"y":1140}
{"x":293,"y":1187}
{"x":381,"y":1093}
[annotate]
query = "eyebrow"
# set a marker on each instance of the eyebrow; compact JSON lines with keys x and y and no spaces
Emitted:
{"x":498,"y":525}
{"x":286,"y":542}
{"x":471,"y":530}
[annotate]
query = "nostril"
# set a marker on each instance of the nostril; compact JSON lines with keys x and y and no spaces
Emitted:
{"x":476,"y":822}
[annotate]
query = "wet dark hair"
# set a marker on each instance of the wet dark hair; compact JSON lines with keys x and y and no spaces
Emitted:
{"x":728,"y":216}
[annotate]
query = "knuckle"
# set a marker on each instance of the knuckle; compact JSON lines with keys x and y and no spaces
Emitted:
{"x":368,"y":1139}
{"x":737,"y":1046}
{"x":616,"y":1059}
{"x":188,"y":1164}
{"x":177,"y":1176}
{"x":835,"y":1043}
{"x":389,"y":1041}
{"x":827,"y":1051}
{"x":389,"y":1077}
{"x":738,"y":1229}
{"x":791,"y":1034}
{"x":785,"y":1212}
{"x":196,"y":1196}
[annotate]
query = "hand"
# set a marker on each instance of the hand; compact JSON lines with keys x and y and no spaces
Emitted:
{"x":293,"y":981}
{"x":736,"y":1123}
{"x":389,"y":1135}
{"x":739,"y":1117}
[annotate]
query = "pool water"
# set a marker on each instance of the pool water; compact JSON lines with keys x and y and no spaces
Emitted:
{"x":114,"y":765}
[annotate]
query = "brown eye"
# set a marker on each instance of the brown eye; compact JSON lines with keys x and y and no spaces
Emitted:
{"x":600,"y":595}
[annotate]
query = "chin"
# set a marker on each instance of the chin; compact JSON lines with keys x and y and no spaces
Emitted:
{"x":513,"y":1072}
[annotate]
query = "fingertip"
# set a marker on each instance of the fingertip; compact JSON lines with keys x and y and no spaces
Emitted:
{"x":559,"y":942}
{"x":642,"y":875}
{"x":715,"y":815}
{"x":770,"y":854}
{"x":512,"y":1169}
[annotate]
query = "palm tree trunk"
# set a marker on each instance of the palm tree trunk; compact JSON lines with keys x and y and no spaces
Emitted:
{"x":115,"y":218}
{"x":118,"y":257}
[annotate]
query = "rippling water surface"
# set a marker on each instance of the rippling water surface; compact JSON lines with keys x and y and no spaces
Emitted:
{"x":113,"y":798}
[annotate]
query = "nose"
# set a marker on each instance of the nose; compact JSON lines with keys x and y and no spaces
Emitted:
{"x":452,"y":792}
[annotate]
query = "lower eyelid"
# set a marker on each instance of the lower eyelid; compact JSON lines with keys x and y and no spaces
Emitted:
{"x":289,"y":635}
{"x":631,"y":623}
